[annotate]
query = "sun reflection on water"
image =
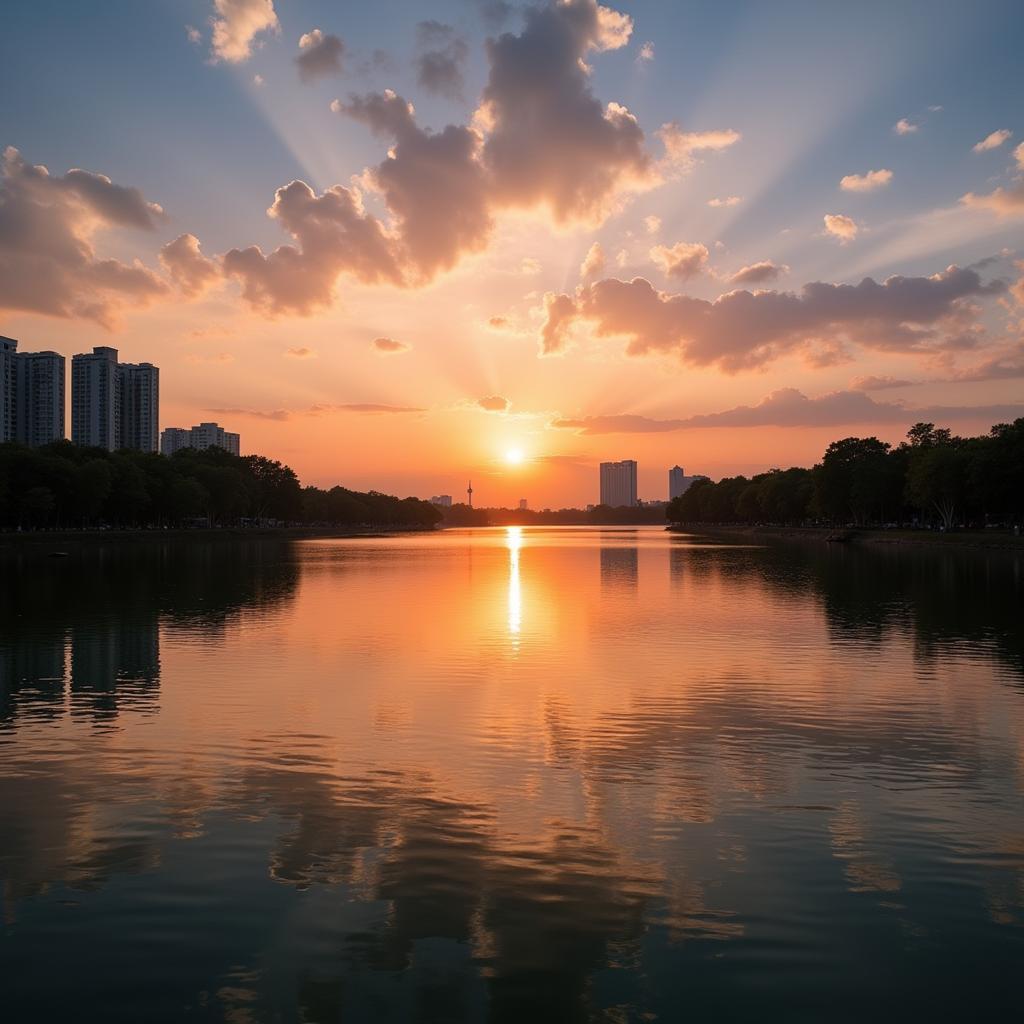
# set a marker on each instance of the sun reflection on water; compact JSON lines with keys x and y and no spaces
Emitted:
{"x":514,"y":541}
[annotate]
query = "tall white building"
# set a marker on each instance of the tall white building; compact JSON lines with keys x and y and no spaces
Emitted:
{"x":114,"y":405}
{"x":442,"y":500}
{"x":139,"y":386}
{"x":31,"y":395}
{"x":618,"y":483}
{"x":95,"y":399}
{"x":200,"y":437}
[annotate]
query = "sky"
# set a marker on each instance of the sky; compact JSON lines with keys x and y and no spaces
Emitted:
{"x":404,"y":245}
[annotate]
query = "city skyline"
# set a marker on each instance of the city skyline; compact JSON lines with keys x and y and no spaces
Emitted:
{"x":710,"y":264}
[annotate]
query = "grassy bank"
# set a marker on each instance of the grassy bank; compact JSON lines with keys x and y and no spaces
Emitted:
{"x":990,"y":539}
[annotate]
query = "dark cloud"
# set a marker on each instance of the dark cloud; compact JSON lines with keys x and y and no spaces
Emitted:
{"x":433,"y":184}
{"x":789,"y":407}
{"x":442,"y":57}
{"x":742,"y":329}
{"x":47,"y":261}
{"x":549,"y":139}
{"x":320,"y":55}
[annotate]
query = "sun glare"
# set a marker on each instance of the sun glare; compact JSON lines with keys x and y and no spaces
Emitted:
{"x":514,"y":456}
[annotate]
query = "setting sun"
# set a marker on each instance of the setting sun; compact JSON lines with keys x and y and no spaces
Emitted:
{"x":514,"y":456}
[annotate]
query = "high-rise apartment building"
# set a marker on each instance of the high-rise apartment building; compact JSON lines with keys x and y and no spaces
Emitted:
{"x":679,"y":483}
{"x":95,"y":399}
{"x":39,"y":398}
{"x":201,"y":437}
{"x":139,"y":386}
{"x":8,"y":354}
{"x":114,"y":405}
{"x":618,"y":483}
{"x":31,"y":395}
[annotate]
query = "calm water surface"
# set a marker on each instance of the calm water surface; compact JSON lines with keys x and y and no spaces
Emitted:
{"x":511,"y":775}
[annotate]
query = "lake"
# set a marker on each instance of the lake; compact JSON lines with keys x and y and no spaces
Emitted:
{"x":511,"y":775}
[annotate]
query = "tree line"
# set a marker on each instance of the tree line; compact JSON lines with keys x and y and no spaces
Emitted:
{"x":461,"y":514}
{"x":933,"y":478}
{"x":65,"y":486}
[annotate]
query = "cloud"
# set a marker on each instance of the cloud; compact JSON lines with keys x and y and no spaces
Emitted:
{"x":540,"y":138}
{"x":493,"y":403}
{"x":652,"y":224}
{"x":646,"y":52}
{"x":788,"y":407}
{"x":682,"y":148}
{"x":682,"y":260}
{"x":334,"y":234}
{"x":1007,"y":364}
{"x":498,"y":323}
{"x":187,"y":267}
{"x":47,"y":261}
{"x":758,"y":273}
{"x":593,"y":263}
{"x":439,"y":65}
{"x":878,"y":383}
{"x":390,"y":347}
{"x":301,"y":353}
{"x":1005,"y":202}
{"x":865,"y":182}
{"x":280,"y":415}
{"x":236,"y":23}
{"x":433,"y":184}
{"x":559,"y":313}
{"x":194,"y":35}
{"x":838,"y":225}
{"x":257,"y":80}
{"x":992,"y":141}
{"x":742,"y":330}
{"x":549,"y":140}
{"x":725,"y":201}
{"x":319,"y":55}
{"x":904,"y":127}
{"x":1018,"y":155}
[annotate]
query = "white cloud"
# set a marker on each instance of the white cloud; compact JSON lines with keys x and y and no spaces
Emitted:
{"x":236,"y":23}
{"x":904,"y":127}
{"x":838,"y":225}
{"x":865,"y":182}
{"x":992,"y":141}
{"x":725,"y":201}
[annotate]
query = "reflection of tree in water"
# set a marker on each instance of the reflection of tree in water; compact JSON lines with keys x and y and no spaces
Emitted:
{"x":84,"y":631}
{"x":534,"y":922}
{"x":943,"y":598}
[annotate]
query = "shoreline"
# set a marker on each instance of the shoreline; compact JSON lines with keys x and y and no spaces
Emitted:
{"x":959,"y":540}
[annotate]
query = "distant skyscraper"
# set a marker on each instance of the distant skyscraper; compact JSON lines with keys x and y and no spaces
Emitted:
{"x":95,"y":399}
{"x":8,"y":354}
{"x":200,"y":437}
{"x":679,"y":483}
{"x":618,"y":483}
{"x":39,"y":398}
{"x":31,"y":395}
{"x":523,"y":505}
{"x":139,"y":386}
{"x":442,"y":500}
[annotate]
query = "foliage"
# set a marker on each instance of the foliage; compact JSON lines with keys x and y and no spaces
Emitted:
{"x":66,"y":486}
{"x":932,"y":477}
